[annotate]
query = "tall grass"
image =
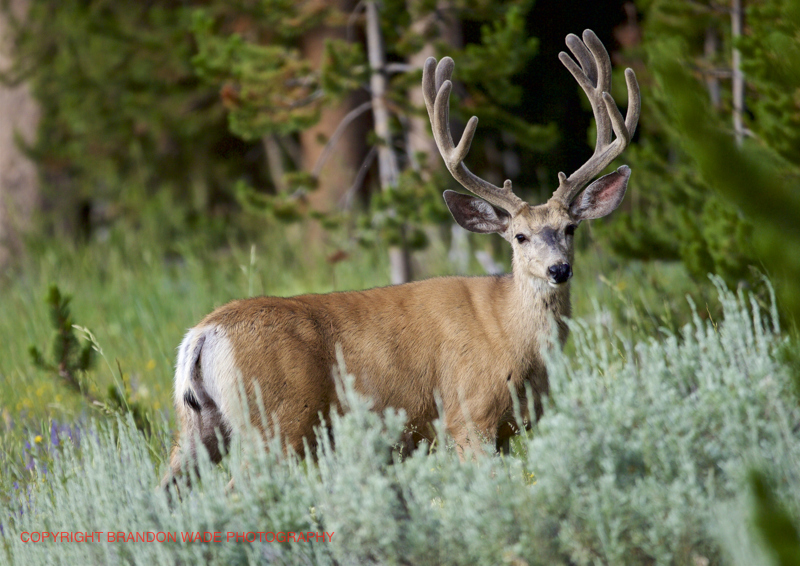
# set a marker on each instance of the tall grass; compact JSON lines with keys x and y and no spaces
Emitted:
{"x":641,"y":458}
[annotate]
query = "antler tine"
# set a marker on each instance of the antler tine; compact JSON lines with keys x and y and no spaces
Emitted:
{"x":436,"y":89}
{"x":594,"y":77}
{"x":634,"y":102}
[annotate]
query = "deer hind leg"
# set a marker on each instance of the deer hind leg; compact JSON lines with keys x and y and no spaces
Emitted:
{"x":200,"y":399}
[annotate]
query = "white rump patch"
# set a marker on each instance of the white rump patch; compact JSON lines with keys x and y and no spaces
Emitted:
{"x":218,"y":378}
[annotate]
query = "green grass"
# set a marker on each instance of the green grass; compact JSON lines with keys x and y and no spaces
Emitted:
{"x":138,"y":298}
{"x":139,"y":303}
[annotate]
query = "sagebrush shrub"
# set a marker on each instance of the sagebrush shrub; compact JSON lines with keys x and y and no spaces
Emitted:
{"x":641,"y":458}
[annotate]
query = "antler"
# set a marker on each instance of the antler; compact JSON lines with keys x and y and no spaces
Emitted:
{"x":436,"y":88}
{"x":594,"y":76}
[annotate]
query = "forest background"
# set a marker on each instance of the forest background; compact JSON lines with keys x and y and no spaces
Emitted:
{"x":160,"y":158}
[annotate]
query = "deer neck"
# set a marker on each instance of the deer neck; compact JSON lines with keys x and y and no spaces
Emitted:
{"x":534,"y":306}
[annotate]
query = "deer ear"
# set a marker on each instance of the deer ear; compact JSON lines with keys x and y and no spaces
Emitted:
{"x":601,"y":197}
{"x":475,"y":214}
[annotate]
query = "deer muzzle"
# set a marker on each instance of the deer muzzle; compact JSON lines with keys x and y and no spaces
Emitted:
{"x":560,"y":273}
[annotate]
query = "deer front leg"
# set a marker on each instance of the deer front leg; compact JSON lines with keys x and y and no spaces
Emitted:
{"x":470,"y":436}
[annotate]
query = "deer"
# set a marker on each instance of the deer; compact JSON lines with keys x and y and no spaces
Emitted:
{"x":459,"y":346}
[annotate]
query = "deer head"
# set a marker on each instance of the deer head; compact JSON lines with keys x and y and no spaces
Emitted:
{"x":541,"y":236}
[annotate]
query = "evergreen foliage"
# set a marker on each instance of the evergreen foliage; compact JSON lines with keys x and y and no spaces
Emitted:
{"x":158,"y":112}
{"x":124,"y":115}
{"x":714,"y":206}
{"x":676,"y":214}
{"x":771,"y":50}
{"x":70,"y":359}
{"x":758,"y":178}
{"x":266,"y":84}
{"x":269,"y":88}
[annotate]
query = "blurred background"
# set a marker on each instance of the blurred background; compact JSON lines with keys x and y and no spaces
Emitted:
{"x":207,"y":123}
{"x":210,"y":120}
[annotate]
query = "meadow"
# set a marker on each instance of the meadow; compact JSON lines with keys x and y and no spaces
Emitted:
{"x":669,"y":394}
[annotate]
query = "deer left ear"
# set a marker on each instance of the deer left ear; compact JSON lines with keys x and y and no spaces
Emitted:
{"x":601,"y":197}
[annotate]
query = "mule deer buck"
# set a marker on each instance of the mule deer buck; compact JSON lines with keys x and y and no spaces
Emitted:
{"x":471,"y":339}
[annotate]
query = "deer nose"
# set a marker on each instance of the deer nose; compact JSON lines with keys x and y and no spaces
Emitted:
{"x":560,"y":273}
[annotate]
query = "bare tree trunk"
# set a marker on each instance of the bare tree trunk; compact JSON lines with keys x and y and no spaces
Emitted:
{"x":399,"y":258}
{"x":738,"y":77}
{"x":274,"y":155}
{"x":19,"y":115}
{"x":340,"y":169}
{"x":710,"y":49}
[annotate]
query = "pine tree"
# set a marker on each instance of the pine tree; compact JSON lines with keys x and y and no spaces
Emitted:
{"x":126,"y":124}
{"x":678,"y":215}
{"x":272,"y":90}
{"x":713,"y":202}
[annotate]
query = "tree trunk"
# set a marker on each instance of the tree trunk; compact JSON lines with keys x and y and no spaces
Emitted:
{"x":340,"y":169}
{"x":441,"y":24}
{"x":19,"y":116}
{"x":738,"y":77}
{"x":399,"y":258}
{"x":710,"y":49}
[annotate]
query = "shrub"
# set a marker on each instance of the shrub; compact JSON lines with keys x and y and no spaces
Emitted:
{"x":642,"y":457}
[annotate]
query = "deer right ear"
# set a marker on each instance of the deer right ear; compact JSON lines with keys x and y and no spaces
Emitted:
{"x":475,"y":214}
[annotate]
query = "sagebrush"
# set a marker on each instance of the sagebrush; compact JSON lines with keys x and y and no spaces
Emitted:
{"x":642,"y":457}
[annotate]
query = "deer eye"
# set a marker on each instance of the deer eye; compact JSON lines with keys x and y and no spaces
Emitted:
{"x":570,"y":230}
{"x":521,"y":238}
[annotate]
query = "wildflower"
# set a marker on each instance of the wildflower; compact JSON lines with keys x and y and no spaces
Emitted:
{"x":151,"y":365}
{"x":38,"y":438}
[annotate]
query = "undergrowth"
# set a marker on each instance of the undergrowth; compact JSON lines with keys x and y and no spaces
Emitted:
{"x":644,"y":456}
